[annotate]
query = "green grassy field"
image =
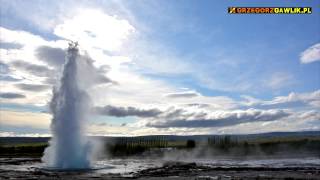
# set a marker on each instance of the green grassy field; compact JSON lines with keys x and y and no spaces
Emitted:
{"x":216,"y":145}
{"x":23,"y":149}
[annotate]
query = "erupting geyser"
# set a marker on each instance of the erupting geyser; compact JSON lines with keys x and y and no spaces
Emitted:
{"x":69,"y":147}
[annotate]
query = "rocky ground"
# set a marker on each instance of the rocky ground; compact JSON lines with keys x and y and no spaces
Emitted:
{"x":194,"y":171}
{"x":170,"y":170}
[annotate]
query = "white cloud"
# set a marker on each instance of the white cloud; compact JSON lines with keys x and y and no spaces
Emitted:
{"x":311,"y":54}
{"x":19,"y":37}
{"x":14,"y":134}
{"x":297,"y":121}
{"x":309,"y":98}
{"x":200,"y":118}
{"x":250,"y":101}
{"x":132,"y":88}
{"x":183,"y":94}
{"x":25,"y":119}
{"x":95,"y":29}
{"x":109,"y":130}
{"x":279,"y":80}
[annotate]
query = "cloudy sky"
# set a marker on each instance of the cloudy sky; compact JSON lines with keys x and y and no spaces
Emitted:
{"x":165,"y":67}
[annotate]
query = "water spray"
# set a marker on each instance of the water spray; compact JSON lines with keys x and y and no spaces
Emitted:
{"x":69,"y":148}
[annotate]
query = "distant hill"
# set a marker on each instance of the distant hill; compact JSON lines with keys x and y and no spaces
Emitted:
{"x":300,"y":134}
{"x":243,"y":136}
{"x":19,"y":140}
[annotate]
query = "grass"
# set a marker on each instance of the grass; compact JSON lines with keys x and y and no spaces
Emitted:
{"x":23,"y":149}
{"x":226,"y":145}
{"x":265,"y":146}
{"x":134,"y":145}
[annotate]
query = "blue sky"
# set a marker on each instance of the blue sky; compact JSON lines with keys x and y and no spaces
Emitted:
{"x":253,"y":46}
{"x":166,"y":55}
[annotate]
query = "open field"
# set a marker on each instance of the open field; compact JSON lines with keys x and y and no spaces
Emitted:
{"x":144,"y":168}
{"x":291,"y":144}
{"x":176,"y":157}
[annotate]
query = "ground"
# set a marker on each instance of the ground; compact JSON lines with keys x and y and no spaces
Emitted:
{"x":169,"y":170}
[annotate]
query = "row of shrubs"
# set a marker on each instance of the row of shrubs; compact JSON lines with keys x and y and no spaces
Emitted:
{"x":228,"y":144}
{"x":126,"y":146}
{"x":138,"y":145}
{"x":25,"y":150}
